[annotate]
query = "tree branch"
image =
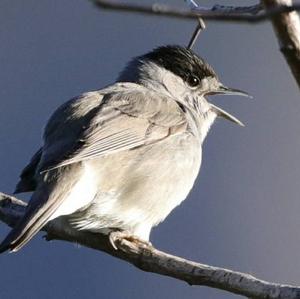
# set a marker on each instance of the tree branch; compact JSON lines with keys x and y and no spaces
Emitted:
{"x":250,"y":14}
{"x":287,"y":28}
{"x":149,"y":259}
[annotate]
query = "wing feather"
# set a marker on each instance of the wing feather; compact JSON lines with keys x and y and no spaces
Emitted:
{"x":126,"y":119}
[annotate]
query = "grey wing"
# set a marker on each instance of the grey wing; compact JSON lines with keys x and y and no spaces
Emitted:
{"x":122,"y":120}
{"x":127,"y":119}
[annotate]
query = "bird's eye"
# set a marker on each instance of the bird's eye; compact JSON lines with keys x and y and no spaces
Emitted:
{"x":193,"y":81}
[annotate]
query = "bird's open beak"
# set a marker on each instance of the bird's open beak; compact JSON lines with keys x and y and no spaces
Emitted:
{"x":223,"y":90}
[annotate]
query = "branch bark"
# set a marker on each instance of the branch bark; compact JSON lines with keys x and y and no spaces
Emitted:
{"x":250,"y":14}
{"x":149,"y":259}
{"x":287,"y":29}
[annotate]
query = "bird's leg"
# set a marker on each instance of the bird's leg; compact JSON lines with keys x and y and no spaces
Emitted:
{"x":118,"y":235}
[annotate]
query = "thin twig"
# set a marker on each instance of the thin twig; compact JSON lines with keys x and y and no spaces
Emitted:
{"x":218,"y":13}
{"x":195,"y":35}
{"x":200,"y":25}
{"x":149,"y":259}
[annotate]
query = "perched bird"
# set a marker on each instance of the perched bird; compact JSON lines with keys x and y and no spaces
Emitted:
{"x":118,"y":160}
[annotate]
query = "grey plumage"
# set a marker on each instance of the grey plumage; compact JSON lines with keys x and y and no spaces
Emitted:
{"x":122,"y":157}
{"x":27,"y":182}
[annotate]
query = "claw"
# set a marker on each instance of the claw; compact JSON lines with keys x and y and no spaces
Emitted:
{"x":125,"y":235}
{"x":113,"y":237}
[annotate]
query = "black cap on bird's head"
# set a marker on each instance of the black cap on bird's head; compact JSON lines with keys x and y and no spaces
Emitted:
{"x":181,"y":61}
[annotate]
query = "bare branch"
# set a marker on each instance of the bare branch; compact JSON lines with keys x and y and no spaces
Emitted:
{"x":287,"y":28}
{"x":149,"y":259}
{"x":250,"y":14}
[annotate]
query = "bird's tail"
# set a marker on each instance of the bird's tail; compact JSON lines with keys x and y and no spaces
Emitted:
{"x":42,"y":205}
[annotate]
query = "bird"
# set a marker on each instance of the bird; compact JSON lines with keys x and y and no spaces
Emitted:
{"x":118,"y":160}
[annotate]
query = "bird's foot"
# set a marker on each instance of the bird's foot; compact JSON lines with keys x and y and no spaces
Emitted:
{"x":126,"y":235}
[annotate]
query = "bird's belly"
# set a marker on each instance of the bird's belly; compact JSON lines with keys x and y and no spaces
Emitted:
{"x":139,"y":188}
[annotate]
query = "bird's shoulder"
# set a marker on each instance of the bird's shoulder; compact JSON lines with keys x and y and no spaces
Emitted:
{"x":77,"y":108}
{"x":142,"y":102}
